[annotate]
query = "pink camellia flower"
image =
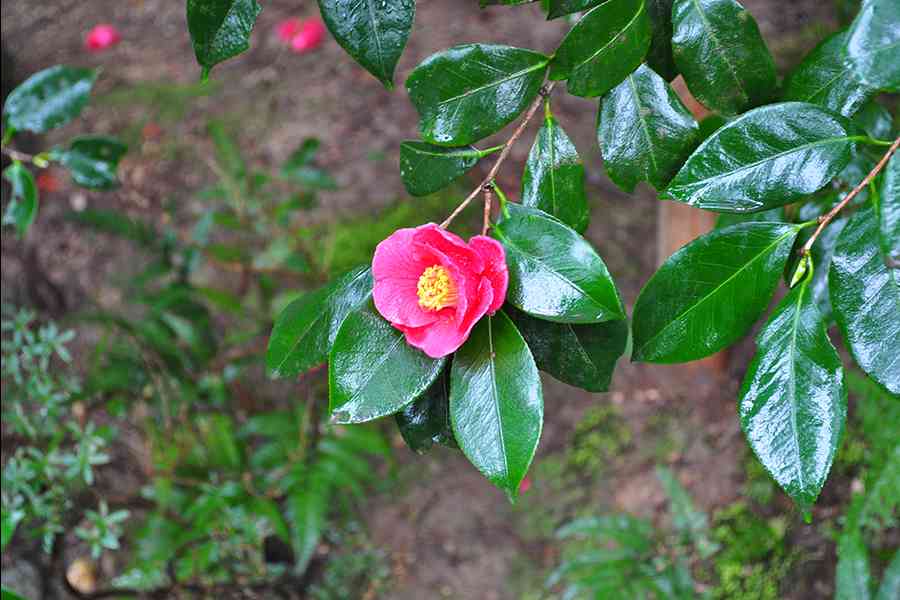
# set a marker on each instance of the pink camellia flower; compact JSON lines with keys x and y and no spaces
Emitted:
{"x":288,"y":28}
{"x":310,"y":36}
{"x":525,"y":485}
{"x":102,"y":37}
{"x":434,"y":287}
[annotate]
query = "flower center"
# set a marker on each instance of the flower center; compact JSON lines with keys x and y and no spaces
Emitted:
{"x":436,"y":289}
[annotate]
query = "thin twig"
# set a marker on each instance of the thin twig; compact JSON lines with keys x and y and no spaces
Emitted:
{"x":825,"y":219}
{"x":503,"y":154}
{"x":488,"y":202}
{"x":16,"y":155}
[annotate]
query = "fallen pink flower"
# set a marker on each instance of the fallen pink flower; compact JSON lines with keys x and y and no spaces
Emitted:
{"x":288,"y":28}
{"x":310,"y":36}
{"x":101,"y":37}
{"x":525,"y":485}
{"x":434,"y":287}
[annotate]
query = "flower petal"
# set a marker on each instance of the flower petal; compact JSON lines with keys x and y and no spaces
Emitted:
{"x":447,"y":334}
{"x":495,"y":270}
{"x":396,"y":269}
{"x":451,"y":245}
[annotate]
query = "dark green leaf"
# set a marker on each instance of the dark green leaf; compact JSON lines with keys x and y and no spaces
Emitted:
{"x":852,"y":579}
{"x":710,"y":292}
{"x":686,"y":518}
{"x":306,"y":329}
{"x":496,"y":405}
{"x":774,"y":215}
{"x":468,"y":92}
{"x":307,"y":508}
{"x":8,"y":594}
{"x":11,"y":519}
{"x":581,"y":355}
{"x":560,"y":8}
{"x":793,"y":402}
{"x":721,"y":54}
{"x":889,"y":208}
{"x":873,"y":44}
{"x":228,"y":153}
{"x":644,"y":130}
{"x":23,"y":205}
{"x":554,"y":273}
{"x":299,"y":167}
{"x":608,"y":43}
{"x":372,"y":371}
{"x":426,"y":421}
{"x":373,"y":32}
{"x":303,"y":155}
{"x":92,"y":160}
{"x":890,"y":581}
{"x":865,"y":298}
{"x":827,"y":78}
{"x":425,"y":168}
{"x":553,"y":180}
{"x":875,"y":120}
{"x":767,"y":157}
{"x":220,"y":29}
{"x":49,"y":98}
{"x":115,"y":223}
{"x":659,"y":57}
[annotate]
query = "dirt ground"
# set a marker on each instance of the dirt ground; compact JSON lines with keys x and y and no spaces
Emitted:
{"x":449,"y":534}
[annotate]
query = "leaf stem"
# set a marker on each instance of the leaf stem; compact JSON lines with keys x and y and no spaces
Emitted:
{"x":825,"y":219}
{"x":486,"y":182}
{"x":16,"y":155}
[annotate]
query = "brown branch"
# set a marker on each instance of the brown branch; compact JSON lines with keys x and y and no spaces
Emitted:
{"x":825,"y":219}
{"x":16,"y":155}
{"x":504,"y":154}
{"x":488,"y":202}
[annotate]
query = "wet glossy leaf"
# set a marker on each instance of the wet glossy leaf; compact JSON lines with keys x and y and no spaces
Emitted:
{"x":767,"y":157}
{"x":372,"y":371}
{"x":426,"y":168}
{"x":92,"y":160}
{"x":659,"y":57}
{"x":468,"y":92}
{"x":373,"y":32}
{"x":853,"y":580}
{"x":220,"y":29}
{"x":889,"y":208}
{"x":873,"y":44}
{"x":23,"y":204}
{"x":775,"y":215}
{"x":721,"y":54}
{"x":710,"y":292}
{"x":49,"y":98}
{"x":865,"y":298}
{"x":608,"y":43}
{"x":560,"y":8}
{"x":305,"y":330}
{"x":581,"y":355}
{"x":553,"y":180}
{"x":821,"y":252}
{"x":426,"y":421}
{"x":827,"y":78}
{"x":793,"y":402}
{"x":554,"y":273}
{"x":496,"y":405}
{"x":875,"y":120}
{"x":644,"y":130}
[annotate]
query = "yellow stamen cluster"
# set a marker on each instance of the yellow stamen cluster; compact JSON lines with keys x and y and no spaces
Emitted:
{"x":436,"y":289}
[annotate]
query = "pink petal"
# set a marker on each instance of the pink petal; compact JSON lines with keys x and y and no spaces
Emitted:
{"x":310,"y":36}
{"x":288,"y":28}
{"x":450,"y":245}
{"x":495,"y":270}
{"x":396,"y":269}
{"x":446,"y":335}
{"x":101,"y":37}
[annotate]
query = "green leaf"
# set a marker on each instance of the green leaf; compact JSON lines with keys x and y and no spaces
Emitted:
{"x":774,"y":215}
{"x":873,"y":44}
{"x":890,"y":581}
{"x":11,"y":519}
{"x":853,"y":581}
{"x":561,"y":8}
{"x":865,"y":298}
{"x":686,"y":519}
{"x":827,"y":78}
{"x":426,"y":421}
{"x":220,"y":29}
{"x":306,"y":329}
{"x":92,"y":160}
{"x":373,"y":32}
{"x":468,"y":92}
{"x":581,"y":355}
{"x":767,"y":157}
{"x":793,"y":401}
{"x":889,"y":208}
{"x":299,"y":167}
{"x":425,"y":168}
{"x":307,"y":509}
{"x":372,"y":371}
{"x":659,"y":56}
{"x":607,"y":44}
{"x":875,"y":120}
{"x":554,"y":273}
{"x":8,"y":594}
{"x":721,"y":54}
{"x":49,"y":98}
{"x":710,"y":292}
{"x":644,"y":130}
{"x":23,"y":206}
{"x":553,"y":180}
{"x":496,"y":405}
